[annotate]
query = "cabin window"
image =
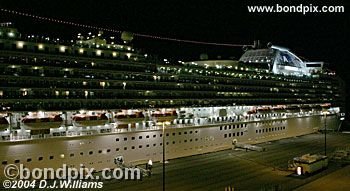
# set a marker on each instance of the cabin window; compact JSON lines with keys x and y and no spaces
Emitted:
{"x":91,"y":152}
{"x":51,"y":157}
{"x":40,"y":158}
{"x":117,"y":139}
{"x":71,"y":155}
{"x":29,"y":159}
{"x":4,"y":162}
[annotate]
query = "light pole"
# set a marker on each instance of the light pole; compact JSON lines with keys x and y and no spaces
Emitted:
{"x":163,"y":157}
{"x":325,"y":134}
{"x":164,"y":123}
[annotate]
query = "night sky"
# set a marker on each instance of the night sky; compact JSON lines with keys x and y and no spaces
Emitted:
{"x":315,"y":36}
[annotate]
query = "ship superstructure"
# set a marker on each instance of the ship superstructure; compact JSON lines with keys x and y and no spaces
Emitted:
{"x":94,"y":100}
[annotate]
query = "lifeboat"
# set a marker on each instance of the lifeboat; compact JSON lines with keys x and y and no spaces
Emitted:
{"x":326,"y":106}
{"x":85,"y":120}
{"x":279,"y":109}
{"x":166,"y":116}
{"x":54,"y":121}
{"x":127,"y":118}
{"x":123,"y":119}
{"x":293,"y":109}
{"x":317,"y":108}
{"x":252,"y":111}
{"x":264,"y":110}
{"x":306,"y":108}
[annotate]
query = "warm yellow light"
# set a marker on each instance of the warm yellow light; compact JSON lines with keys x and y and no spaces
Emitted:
{"x":20,"y":44}
{"x":62,"y":49}
{"x":40,"y":46}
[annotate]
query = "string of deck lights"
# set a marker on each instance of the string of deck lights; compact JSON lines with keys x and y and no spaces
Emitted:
{"x":118,"y":31}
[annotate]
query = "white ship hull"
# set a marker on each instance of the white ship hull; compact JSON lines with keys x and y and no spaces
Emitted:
{"x":98,"y":151}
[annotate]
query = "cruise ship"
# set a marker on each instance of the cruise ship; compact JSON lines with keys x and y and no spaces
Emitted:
{"x":90,"y":100}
